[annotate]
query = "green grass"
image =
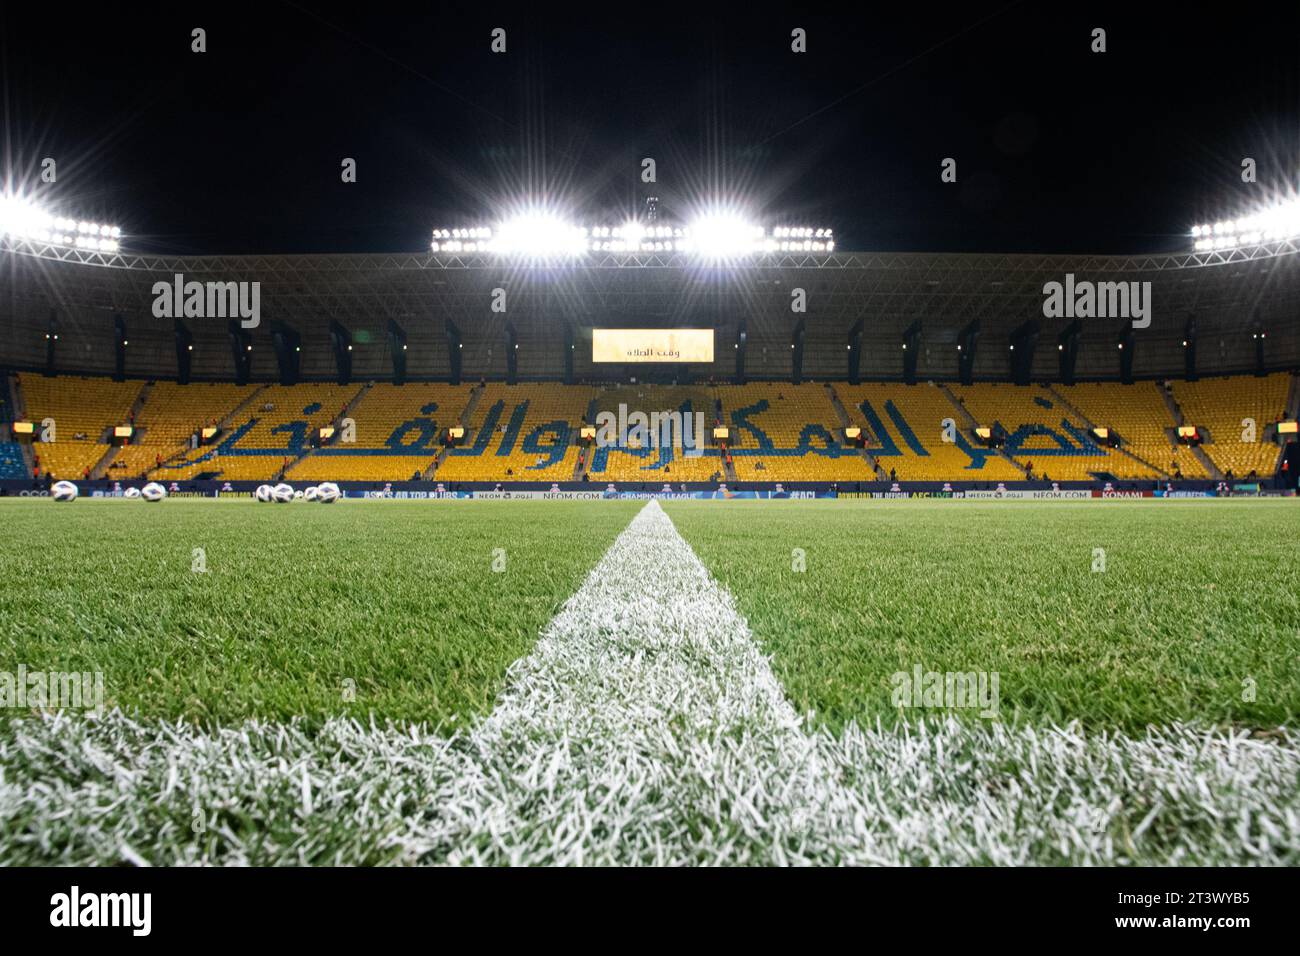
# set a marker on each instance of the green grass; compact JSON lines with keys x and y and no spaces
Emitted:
{"x":1196,"y":598}
{"x":397,"y":597}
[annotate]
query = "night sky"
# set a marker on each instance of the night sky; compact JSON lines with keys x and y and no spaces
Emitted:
{"x":238,"y":150}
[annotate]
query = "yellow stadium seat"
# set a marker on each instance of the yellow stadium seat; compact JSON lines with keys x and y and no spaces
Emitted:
{"x":1138,"y":414}
{"x":535,"y":406}
{"x":915,"y":450}
{"x":82,"y":410}
{"x":1032,"y":416}
{"x":1219,"y":405}
{"x":790,"y":411}
{"x":628,"y":465}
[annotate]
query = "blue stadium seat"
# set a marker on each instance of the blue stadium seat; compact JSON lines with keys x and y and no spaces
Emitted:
{"x":11,"y":461}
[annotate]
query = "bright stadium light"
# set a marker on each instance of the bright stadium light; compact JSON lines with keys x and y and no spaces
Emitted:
{"x":538,"y":236}
{"x":716,"y":235}
{"x":722,"y":235}
{"x":1281,"y":221}
{"x":23,"y":219}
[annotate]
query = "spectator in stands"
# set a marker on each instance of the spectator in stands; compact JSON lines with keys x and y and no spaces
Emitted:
{"x":893,"y":476}
{"x":416,"y":476}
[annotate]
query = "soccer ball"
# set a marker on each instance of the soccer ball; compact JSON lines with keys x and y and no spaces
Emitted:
{"x":297,"y":496}
{"x":64,"y":491}
{"x":310,"y":494}
{"x":263,"y":493}
{"x":131,"y":493}
{"x":282,"y":493}
{"x":153,"y":492}
{"x":327,"y":492}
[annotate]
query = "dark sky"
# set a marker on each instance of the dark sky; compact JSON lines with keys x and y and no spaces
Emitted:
{"x":1059,"y":150}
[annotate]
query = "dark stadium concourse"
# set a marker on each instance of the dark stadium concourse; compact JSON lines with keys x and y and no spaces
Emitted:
{"x":1238,"y":304}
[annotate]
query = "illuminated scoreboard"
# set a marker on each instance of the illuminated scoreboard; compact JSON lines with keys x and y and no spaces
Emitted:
{"x":651,"y":345}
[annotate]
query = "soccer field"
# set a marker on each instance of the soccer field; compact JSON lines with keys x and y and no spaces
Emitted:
{"x":616,"y":681}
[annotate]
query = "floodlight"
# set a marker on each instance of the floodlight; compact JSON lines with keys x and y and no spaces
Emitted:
{"x":722,"y":236}
{"x":23,"y":219}
{"x":538,"y":236}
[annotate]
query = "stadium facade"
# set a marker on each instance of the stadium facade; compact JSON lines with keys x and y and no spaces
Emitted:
{"x":443,"y":306}
{"x":885,"y":372}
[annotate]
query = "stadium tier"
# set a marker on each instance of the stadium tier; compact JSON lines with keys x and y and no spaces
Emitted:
{"x":1139,"y":415}
{"x":789,"y":431}
{"x":1222,"y":406}
{"x":1042,"y":434}
{"x":520,"y":433}
{"x":906,"y":428}
{"x":397,"y":431}
{"x":12,"y":464}
{"x":271,"y":433}
{"x":531,"y":432}
{"x":81,"y":410}
{"x":168,"y":418}
{"x":668,"y":461}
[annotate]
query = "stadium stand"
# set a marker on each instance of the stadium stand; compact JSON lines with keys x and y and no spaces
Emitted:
{"x":82,"y":409}
{"x":277,"y":430}
{"x":1041,"y":431}
{"x":657,"y":464}
{"x":905,"y":423}
{"x":397,"y":434}
{"x":12,"y":464}
{"x":529,"y":432}
{"x":167,"y":419}
{"x":788,"y":431}
{"x":1138,"y":414}
{"x":1218,"y":405}
{"x":521,"y":433}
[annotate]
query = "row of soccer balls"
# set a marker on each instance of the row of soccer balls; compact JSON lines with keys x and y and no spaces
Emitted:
{"x":67,"y":491}
{"x":326,"y":492}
